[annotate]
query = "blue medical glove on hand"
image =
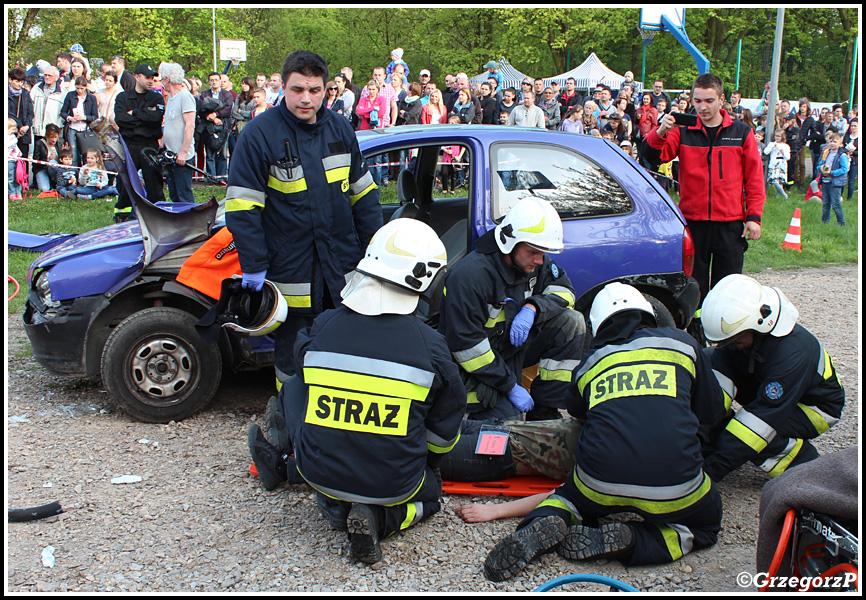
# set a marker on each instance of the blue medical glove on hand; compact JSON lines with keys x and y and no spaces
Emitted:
{"x":254,"y":281}
{"x":521,"y":325}
{"x":520,"y":398}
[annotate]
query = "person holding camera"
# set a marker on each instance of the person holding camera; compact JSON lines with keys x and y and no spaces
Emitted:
{"x":178,"y":132}
{"x":721,"y":180}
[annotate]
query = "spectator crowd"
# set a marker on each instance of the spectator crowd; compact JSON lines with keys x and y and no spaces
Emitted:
{"x":50,"y":107}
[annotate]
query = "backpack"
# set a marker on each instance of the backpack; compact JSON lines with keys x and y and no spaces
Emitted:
{"x":21,"y":176}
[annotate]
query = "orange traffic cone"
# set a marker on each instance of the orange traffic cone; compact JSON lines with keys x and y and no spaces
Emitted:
{"x":792,"y":239}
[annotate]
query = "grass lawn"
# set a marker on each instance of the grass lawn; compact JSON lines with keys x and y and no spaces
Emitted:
{"x":822,"y":244}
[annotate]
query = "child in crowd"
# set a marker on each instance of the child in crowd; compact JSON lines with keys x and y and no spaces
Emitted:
{"x":450,"y":155}
{"x":12,"y":156}
{"x":765,"y":159}
{"x":95,"y":178}
{"x":65,"y":174}
{"x":46,"y":150}
{"x":780,"y":154}
{"x":833,"y":167}
{"x":572,"y":122}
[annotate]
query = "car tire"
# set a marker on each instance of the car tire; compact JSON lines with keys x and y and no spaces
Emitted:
{"x":157,"y":368}
{"x":664,"y":318}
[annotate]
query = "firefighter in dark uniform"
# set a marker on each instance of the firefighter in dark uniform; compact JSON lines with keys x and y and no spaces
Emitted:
{"x":507,"y":306}
{"x":645,"y":393}
{"x":776,"y":370}
{"x":300,"y":204}
{"x":377,"y":401}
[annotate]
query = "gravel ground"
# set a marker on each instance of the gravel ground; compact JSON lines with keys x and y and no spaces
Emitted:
{"x":198,"y":521}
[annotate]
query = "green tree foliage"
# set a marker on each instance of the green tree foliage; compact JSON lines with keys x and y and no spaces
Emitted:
{"x":817,"y":48}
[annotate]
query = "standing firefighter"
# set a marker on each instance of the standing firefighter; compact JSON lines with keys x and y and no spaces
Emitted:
{"x":507,"y":306}
{"x":300,"y":204}
{"x":645,"y":392}
{"x":377,"y":401}
{"x":776,"y":370}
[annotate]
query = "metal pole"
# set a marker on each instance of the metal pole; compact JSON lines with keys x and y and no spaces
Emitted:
{"x":213,"y":21}
{"x":774,"y":78}
{"x":853,"y":74}
{"x":643,"y":67}
{"x":739,"y":54}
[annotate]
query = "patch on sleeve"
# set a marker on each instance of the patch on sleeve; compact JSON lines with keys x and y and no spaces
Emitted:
{"x":773,"y":390}
{"x":554,"y":270}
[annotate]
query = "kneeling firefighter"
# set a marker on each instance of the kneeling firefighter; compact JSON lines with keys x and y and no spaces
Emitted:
{"x":377,"y":400}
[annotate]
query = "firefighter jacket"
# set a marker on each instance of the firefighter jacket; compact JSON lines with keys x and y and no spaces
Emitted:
{"x":482,"y":296}
{"x":774,"y":379}
{"x":644,"y":392}
{"x":383,"y":393}
{"x":721,"y":179}
{"x":301,"y":204}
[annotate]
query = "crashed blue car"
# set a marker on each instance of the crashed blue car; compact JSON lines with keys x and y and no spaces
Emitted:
{"x":107,"y":302}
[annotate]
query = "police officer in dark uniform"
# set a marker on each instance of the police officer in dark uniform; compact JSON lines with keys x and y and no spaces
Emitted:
{"x":377,"y":401}
{"x":138,"y":114}
{"x":645,"y":393}
{"x":507,"y":306}
{"x":776,"y":370}
{"x":300,"y":204}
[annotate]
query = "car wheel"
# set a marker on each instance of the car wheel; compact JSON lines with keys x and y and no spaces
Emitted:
{"x":664,"y":318}
{"x":157,"y":368}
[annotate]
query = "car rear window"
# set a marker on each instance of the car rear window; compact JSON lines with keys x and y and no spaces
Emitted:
{"x":575,"y":185}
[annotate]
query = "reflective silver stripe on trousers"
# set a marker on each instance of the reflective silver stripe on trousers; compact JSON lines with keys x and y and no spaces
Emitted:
{"x":281,"y":376}
{"x":669,"y":492}
{"x":479,"y":349}
{"x":293,"y":289}
{"x":759,"y":426}
{"x":821,"y":360}
{"x":369,"y":366}
{"x":571,"y":508}
{"x":362,"y":184}
{"x":336,"y":161}
{"x":241,"y":193}
{"x":770,"y":464}
{"x":347,"y":497}
{"x":653,"y":343}
{"x":687,"y":538}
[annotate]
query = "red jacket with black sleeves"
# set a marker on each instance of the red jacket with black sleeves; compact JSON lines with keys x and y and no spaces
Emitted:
{"x":720,"y":179}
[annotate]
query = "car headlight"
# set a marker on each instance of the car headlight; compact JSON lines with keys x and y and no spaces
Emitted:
{"x":43,"y":290}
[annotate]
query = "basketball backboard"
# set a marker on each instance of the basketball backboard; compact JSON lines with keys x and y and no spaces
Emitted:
{"x":233,"y":49}
{"x":651,"y":18}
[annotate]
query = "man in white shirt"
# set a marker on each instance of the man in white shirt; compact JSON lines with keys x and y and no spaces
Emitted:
{"x":178,"y":129}
{"x":275,"y":89}
{"x":527,"y":114}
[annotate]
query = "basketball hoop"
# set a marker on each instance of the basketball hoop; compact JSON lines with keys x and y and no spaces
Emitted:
{"x":647,"y":35}
{"x":236,"y":62}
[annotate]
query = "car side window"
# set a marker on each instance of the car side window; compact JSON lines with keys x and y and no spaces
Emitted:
{"x":575,"y":185}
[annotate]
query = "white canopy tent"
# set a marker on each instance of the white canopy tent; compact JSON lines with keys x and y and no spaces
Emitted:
{"x":591,"y":72}
{"x":511,"y":77}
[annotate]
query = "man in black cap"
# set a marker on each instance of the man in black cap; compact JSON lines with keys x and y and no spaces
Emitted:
{"x":138,"y":114}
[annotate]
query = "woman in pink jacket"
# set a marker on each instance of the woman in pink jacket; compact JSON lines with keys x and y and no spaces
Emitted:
{"x":435,"y":110}
{"x":372,"y":107}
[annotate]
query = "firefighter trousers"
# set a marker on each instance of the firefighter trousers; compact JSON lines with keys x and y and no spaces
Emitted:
{"x":665,"y":534}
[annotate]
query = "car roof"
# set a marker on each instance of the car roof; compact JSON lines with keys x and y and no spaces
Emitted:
{"x":483,"y":132}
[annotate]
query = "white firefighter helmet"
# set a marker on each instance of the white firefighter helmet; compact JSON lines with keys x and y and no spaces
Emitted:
{"x":401,"y":261}
{"x":250,"y":312}
{"x":534,"y":221}
{"x":738,"y":303}
{"x":613,"y":298}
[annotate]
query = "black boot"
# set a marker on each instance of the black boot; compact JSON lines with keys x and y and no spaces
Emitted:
{"x":270,"y":462}
{"x":363,"y":525}
{"x":276,"y":428}
{"x":513,"y":553}
{"x":611,"y":540}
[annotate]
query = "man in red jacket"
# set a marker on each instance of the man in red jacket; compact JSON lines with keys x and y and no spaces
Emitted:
{"x":721,"y":181}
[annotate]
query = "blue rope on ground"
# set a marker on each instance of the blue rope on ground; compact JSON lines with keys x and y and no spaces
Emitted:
{"x":586,"y":578}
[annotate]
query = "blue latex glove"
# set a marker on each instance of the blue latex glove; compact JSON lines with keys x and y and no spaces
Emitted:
{"x":521,"y":325}
{"x":254,"y":281}
{"x":520,"y":398}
